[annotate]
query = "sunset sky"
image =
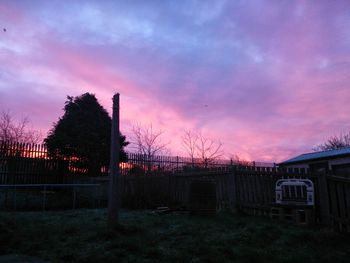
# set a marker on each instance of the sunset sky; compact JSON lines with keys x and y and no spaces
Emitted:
{"x":270,"y":79}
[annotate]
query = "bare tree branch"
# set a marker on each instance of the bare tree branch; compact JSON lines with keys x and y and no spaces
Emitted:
{"x":148,"y":141}
{"x":189,"y":142}
{"x":203,"y":148}
{"x":17,"y":131}
{"x":6,"y":126}
{"x":209,"y":150}
{"x":335,"y":142}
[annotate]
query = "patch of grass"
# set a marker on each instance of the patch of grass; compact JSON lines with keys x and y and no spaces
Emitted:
{"x":141,"y":236}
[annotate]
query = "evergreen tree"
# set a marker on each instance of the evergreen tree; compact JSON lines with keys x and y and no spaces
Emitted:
{"x":84,"y":131}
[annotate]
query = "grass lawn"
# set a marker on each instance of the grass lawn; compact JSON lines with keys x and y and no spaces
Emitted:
{"x":83,"y":236}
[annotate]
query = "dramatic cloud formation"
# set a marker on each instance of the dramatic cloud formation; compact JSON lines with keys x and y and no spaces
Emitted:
{"x":268,"y":78}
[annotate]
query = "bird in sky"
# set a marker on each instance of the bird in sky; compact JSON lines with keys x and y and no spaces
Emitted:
{"x":4,"y":29}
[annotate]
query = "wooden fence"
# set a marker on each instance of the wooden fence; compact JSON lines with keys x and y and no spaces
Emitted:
{"x":339,"y":203}
{"x":241,"y":187}
{"x":247,"y":189}
{"x":150,"y":182}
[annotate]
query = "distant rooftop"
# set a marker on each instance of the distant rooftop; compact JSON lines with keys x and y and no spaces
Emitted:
{"x":318,"y":155}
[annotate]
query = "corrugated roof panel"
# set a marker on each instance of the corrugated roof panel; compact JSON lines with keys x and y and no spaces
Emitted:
{"x":318,"y":155}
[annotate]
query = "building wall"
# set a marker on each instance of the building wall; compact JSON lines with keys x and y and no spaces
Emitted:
{"x":339,"y":161}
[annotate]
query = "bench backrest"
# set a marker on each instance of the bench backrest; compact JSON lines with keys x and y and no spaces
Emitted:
{"x":295,"y":191}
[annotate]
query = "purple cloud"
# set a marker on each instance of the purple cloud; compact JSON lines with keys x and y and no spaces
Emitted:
{"x":268,"y":78}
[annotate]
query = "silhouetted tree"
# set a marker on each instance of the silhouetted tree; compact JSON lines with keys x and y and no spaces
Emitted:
{"x":148,"y":141}
{"x":84,"y":131}
{"x":17,"y":130}
{"x":200,"y":147}
{"x":335,"y":142}
{"x":189,"y":144}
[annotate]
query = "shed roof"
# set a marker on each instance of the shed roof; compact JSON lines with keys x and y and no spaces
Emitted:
{"x":318,"y":155}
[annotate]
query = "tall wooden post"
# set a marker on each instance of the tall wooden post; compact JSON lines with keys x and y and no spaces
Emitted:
{"x":113,"y":196}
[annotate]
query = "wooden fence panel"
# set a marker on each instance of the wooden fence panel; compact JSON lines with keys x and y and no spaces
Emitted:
{"x":250,"y":189}
{"x":339,"y":191}
{"x":260,"y":189}
{"x":254,"y":189}
{"x":347,"y":203}
{"x":333,"y":200}
{"x":244,"y":189}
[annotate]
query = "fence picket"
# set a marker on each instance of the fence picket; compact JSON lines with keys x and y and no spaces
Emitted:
{"x":334,"y":200}
{"x":341,"y":201}
{"x":347,"y":202}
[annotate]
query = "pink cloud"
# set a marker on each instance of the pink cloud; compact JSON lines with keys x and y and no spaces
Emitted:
{"x":268,"y":79}
{"x":10,"y":14}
